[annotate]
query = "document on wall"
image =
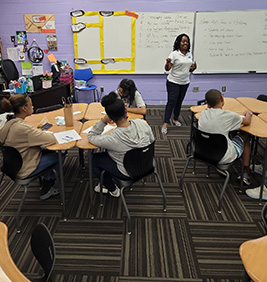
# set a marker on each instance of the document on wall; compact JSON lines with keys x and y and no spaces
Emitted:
{"x":67,"y":136}
{"x":12,"y":53}
{"x":37,"y":69}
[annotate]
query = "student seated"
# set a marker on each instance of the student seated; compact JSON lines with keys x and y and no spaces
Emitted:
{"x":254,"y":193}
{"x":131,"y":97}
{"x":128,"y":134}
{"x":216,"y":120}
{"x":29,"y":141}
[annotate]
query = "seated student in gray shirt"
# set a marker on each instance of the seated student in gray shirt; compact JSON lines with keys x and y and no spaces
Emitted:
{"x":216,"y":120}
{"x":128,"y":134}
{"x":132,"y":99}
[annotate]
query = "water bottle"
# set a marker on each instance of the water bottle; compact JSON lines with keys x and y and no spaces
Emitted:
{"x":29,"y":85}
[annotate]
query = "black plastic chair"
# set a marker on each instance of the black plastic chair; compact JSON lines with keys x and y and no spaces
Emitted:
{"x":138,"y":163}
{"x":49,"y":109}
{"x":209,"y":149}
{"x":262,"y":97}
{"x":9,"y":70}
{"x":43,"y":248}
{"x":11,"y":164}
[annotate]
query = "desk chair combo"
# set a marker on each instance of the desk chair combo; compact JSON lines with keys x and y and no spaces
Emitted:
{"x":138,"y":163}
{"x":86,"y":75}
{"x":209,"y":149}
{"x":12,"y":163}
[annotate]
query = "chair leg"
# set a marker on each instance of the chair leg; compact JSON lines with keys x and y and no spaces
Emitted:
{"x":223,"y":190}
{"x":2,"y":176}
{"x":208,"y":171}
{"x":241,"y":187}
{"x":101,"y":187}
{"x":126,"y":210}
{"x":183,"y":173}
{"x":81,"y":157}
{"x":20,"y":207}
{"x":162,"y":190}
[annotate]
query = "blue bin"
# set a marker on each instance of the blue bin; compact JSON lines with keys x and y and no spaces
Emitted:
{"x":22,"y":89}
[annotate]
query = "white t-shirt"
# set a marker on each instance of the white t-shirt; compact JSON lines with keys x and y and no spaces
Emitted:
{"x":181,"y":64}
{"x":138,"y":101}
{"x":222,"y":122}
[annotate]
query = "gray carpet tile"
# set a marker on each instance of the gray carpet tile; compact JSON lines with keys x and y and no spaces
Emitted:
{"x":190,"y":242}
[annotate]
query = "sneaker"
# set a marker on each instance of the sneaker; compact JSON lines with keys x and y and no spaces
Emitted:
{"x":48,"y":190}
{"x":254,"y":193}
{"x":164,"y":130}
{"x":104,"y":189}
{"x":246,"y":178}
{"x":116,"y":193}
{"x":258,"y":168}
{"x":177,"y":123}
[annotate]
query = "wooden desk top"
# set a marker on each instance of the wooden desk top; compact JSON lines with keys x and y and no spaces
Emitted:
{"x":7,"y":265}
{"x":230,"y":104}
{"x":254,"y":105}
{"x":254,"y":254}
{"x":258,"y":127}
{"x":77,"y":125}
{"x":82,"y":107}
{"x":263,"y":116}
{"x":84,"y":143}
{"x":94,"y":111}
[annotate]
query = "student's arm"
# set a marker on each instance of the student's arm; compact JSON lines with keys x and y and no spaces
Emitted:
{"x":141,"y":110}
{"x":39,"y":138}
{"x":247,"y":118}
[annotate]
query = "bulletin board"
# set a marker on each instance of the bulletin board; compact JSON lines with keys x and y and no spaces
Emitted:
{"x":128,"y":42}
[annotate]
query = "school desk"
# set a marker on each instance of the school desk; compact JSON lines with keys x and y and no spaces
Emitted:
{"x":254,"y":105}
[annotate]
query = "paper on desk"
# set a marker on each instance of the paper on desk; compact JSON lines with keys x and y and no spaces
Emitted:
{"x":3,"y":276}
{"x":107,"y":128}
{"x":67,"y":136}
{"x":103,"y":113}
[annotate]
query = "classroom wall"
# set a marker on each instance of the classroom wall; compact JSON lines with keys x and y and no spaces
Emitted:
{"x":152,"y":87}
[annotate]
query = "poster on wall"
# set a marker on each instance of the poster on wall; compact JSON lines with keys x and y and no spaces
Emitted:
{"x":21,"y":37}
{"x":44,"y":23}
{"x":51,"y":42}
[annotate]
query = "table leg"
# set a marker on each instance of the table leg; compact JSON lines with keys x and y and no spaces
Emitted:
{"x":263,"y":173}
{"x":90,"y":169}
{"x":62,"y":187}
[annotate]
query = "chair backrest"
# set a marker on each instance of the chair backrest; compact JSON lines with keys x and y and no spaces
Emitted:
{"x":264,"y":216}
{"x":49,"y":109}
{"x":262,"y":97}
{"x":138,"y":162}
{"x":208,"y":147}
{"x":12,"y":161}
{"x":9,"y":70}
{"x":43,"y":248}
{"x":83,"y":74}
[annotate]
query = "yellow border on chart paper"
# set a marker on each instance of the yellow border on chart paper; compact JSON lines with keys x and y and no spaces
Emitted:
{"x":101,"y":33}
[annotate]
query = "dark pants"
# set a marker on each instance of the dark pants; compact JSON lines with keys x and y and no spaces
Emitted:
{"x":102,"y":161}
{"x":176,"y":94}
{"x":48,"y":158}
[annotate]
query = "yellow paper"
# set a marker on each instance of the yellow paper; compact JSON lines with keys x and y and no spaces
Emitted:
{"x":51,"y":58}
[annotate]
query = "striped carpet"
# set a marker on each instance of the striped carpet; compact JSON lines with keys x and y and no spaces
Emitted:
{"x":190,"y":242}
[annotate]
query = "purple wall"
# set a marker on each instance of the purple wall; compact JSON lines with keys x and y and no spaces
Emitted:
{"x":152,"y":87}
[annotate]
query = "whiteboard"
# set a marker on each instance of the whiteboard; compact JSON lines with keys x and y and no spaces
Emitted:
{"x":231,"y":41}
{"x":137,"y":45}
{"x":155,"y":35}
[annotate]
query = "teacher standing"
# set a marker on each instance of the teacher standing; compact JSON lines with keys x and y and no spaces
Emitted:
{"x":180,"y":63}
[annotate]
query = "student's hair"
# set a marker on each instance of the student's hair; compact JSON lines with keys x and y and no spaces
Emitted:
{"x":114,"y":107}
{"x":128,"y":88}
{"x":176,"y":45}
{"x":213,"y":97}
{"x":14,"y":103}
